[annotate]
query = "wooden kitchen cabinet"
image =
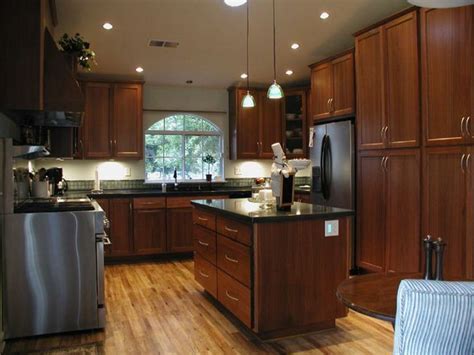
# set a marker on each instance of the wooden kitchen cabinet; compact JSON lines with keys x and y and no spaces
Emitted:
{"x":388,"y":85}
{"x":120,"y":216}
{"x":447,"y":82}
{"x":295,"y":123}
{"x":149,"y":226}
{"x":447,"y":205}
{"x":180,"y":229}
{"x":253,"y":130}
{"x":113,"y":122}
{"x":332,"y":87}
{"x":388,"y":237}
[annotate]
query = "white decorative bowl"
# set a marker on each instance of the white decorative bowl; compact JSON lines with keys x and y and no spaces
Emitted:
{"x":299,"y":164}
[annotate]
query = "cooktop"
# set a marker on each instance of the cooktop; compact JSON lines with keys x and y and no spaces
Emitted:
{"x":53,"y":204}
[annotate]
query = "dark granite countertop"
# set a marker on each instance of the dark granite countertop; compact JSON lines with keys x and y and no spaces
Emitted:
{"x":250,"y":212}
{"x":236,"y":191}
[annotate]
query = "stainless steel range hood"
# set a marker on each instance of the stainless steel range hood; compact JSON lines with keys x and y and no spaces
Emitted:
{"x":29,"y":151}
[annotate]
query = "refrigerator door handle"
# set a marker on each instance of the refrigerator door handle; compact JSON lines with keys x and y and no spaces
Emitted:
{"x":322,"y":164}
{"x":327,"y":170}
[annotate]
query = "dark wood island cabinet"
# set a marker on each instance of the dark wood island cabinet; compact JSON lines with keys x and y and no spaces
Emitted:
{"x":277,"y":272}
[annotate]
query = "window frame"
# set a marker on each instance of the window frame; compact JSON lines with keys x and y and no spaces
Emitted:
{"x":183,"y":134}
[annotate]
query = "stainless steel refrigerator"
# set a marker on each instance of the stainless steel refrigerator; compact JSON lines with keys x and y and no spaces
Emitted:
{"x":333,"y":169}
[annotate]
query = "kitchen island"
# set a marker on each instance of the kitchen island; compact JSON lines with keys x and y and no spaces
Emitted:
{"x":275,"y":271}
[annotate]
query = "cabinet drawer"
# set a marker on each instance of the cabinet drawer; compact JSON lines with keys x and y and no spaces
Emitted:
{"x":205,"y":243}
{"x":185,"y":201}
{"x":235,"y":297}
{"x":238,"y":231}
{"x":234,"y":259}
{"x":205,"y":219}
{"x":205,"y":274}
{"x":149,"y":203}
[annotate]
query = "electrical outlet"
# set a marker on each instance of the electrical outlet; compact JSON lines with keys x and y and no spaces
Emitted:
{"x":128,"y":172}
{"x":331,"y":228}
{"x":237,"y":170}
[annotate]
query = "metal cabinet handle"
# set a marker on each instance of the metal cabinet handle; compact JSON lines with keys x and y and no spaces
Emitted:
{"x":468,"y":125}
{"x":462,"y":126}
{"x":381,"y":162}
{"x":203,"y":274}
{"x":385,"y":132}
{"x":386,"y":163}
{"x":203,"y":244}
{"x":202,"y":219}
{"x":329,"y":105}
{"x":235,"y":261}
{"x":381,"y":132}
{"x":462,"y":163}
{"x":231,"y":230}
{"x":468,"y":161}
{"x":231,"y":297}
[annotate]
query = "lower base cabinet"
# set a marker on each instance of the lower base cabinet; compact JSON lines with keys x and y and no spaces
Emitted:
{"x":149,"y":231}
{"x":234,"y":296}
{"x":120,"y":217}
{"x":206,"y":274}
{"x":180,"y":229}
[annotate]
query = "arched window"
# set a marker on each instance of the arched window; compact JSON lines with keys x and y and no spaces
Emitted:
{"x":180,"y":142}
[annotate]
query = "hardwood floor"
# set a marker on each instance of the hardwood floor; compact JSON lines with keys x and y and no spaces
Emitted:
{"x":157,"y":307}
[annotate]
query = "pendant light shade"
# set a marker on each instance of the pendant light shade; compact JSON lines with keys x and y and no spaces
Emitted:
{"x":441,"y":3}
{"x":274,"y":91}
{"x":235,"y":3}
{"x":248,"y":100}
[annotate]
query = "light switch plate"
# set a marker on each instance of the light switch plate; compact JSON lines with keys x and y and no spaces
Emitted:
{"x":237,"y":170}
{"x":331,"y":228}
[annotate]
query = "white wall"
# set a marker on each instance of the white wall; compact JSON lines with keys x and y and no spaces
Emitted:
{"x":158,"y":102}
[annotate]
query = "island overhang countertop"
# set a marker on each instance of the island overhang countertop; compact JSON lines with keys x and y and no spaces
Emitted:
{"x":251,"y":212}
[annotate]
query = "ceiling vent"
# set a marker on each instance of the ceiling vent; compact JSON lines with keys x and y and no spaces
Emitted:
{"x":160,"y":43}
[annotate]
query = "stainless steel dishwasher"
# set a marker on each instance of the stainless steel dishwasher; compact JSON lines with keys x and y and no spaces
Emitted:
{"x":54,"y":271}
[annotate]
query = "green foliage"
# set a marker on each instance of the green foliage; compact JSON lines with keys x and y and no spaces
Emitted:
{"x":78,"y":47}
{"x":210,"y":161}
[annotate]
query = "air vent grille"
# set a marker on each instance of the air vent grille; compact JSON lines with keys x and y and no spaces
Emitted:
{"x":161,"y":43}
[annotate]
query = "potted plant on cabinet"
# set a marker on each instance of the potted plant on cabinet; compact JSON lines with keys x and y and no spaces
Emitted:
{"x":210,"y":161}
{"x":77,"y":51}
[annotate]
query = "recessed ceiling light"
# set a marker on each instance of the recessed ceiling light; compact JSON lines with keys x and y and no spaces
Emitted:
{"x":324,"y":15}
{"x":295,"y":46}
{"x":139,"y":69}
{"x":244,"y":76}
{"x":235,"y":3}
{"x":107,"y":26}
{"x":189,"y":81}
{"x":289,"y":72}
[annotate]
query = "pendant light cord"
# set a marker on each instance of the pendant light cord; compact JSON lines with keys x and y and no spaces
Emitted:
{"x":274,"y":43}
{"x":248,"y":73}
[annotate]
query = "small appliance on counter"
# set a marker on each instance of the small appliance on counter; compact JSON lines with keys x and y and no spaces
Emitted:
{"x":57,"y":182}
{"x":283,"y":177}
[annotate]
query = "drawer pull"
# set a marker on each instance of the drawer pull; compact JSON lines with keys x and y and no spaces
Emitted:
{"x":203,"y":274}
{"x":235,"y":261}
{"x":203,"y":244}
{"x":231,"y":230}
{"x":203,"y":219}
{"x":231,"y":297}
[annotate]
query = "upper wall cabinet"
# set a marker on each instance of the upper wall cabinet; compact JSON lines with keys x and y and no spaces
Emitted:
{"x":447,"y":71}
{"x":388,"y":85}
{"x":332,"y":87}
{"x":113,"y":122}
{"x":253,"y":130}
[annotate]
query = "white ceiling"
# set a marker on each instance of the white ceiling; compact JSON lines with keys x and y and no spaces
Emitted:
{"x":212,"y":36}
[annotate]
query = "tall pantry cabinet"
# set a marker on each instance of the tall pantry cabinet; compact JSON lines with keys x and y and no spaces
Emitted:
{"x":388,"y":237}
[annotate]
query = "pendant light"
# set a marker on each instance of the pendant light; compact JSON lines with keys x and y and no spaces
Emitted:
{"x":248,"y":100}
{"x":441,"y":3}
{"x":274,"y":91}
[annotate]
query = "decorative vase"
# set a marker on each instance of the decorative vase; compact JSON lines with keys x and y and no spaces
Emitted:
{"x":72,"y":62}
{"x":208,"y":177}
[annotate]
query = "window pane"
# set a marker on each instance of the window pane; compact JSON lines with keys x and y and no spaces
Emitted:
{"x":193,"y":123}
{"x":206,"y":126}
{"x":158,"y":126}
{"x":173,"y":146}
{"x":211,"y":145}
{"x":154,"y":145}
{"x":193,"y":167}
{"x":174,"y":123}
{"x":169,"y":164}
{"x":193,"y":145}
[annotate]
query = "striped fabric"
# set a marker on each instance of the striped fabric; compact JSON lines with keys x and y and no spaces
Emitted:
{"x":434,"y":317}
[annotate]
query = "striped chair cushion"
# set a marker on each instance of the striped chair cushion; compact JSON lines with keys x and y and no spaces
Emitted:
{"x":434,"y":317}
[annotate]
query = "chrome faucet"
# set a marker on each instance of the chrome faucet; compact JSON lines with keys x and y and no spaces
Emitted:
{"x":175,"y":175}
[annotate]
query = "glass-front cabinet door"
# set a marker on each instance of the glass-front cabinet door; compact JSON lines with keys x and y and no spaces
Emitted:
{"x":295,"y":128}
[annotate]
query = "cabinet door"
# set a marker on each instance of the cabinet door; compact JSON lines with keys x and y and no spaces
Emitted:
{"x":401,"y":82}
{"x":369,"y":69}
{"x":446,"y":73}
{"x":270,"y":124}
{"x":128,"y":121}
{"x":248,"y":124}
{"x":321,"y":91}
{"x":470,"y":216}
{"x":444,"y":203}
{"x":120,"y":227}
{"x":96,"y":129}
{"x":371,"y":211}
{"x":343,"y":98}
{"x":403,"y":238}
{"x":179,"y":222}
{"x":149,"y":231}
